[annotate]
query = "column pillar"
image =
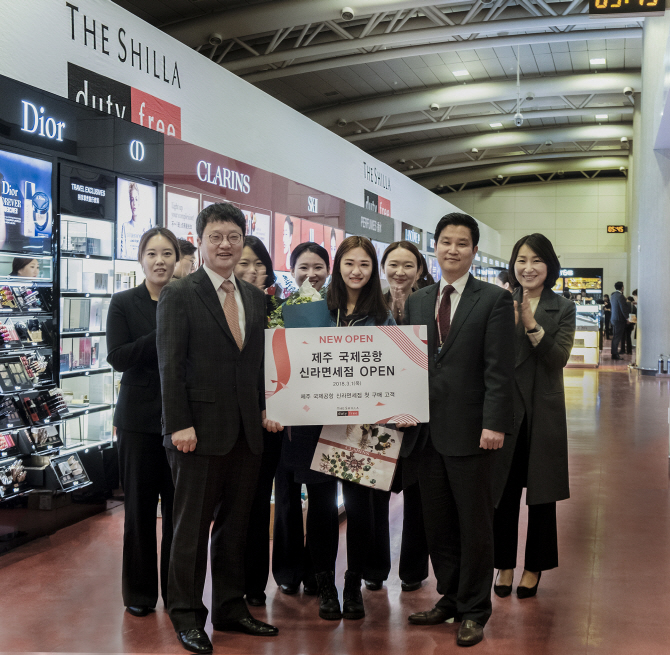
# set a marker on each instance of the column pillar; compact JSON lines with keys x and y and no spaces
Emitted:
{"x":651,"y":202}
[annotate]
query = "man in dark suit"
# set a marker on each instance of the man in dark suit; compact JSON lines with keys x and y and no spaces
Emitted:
{"x":619,"y":318}
{"x":471,"y":376}
{"x":210,"y":353}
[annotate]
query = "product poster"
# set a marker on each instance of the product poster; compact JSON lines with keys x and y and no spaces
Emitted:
{"x":258,"y":225}
{"x":330,"y":376}
{"x":181,"y":212}
{"x":26,"y":209}
{"x":333,"y":238}
{"x":310,"y":231}
{"x":135,"y":214}
{"x":380,"y":249}
{"x":287,"y":230}
{"x":434,"y":268}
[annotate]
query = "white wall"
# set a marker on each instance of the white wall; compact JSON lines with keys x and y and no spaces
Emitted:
{"x":219,"y":110}
{"x":573,"y":214}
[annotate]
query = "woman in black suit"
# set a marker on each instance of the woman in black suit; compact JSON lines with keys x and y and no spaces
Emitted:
{"x":535,"y":456}
{"x":143,"y":466}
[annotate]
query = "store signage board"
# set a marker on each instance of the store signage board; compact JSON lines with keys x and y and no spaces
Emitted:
{"x":600,"y":8}
{"x":617,"y":229}
{"x":368,"y":224}
{"x":412,"y":234}
{"x":87,"y":193}
{"x":430,"y":242}
{"x":376,"y":203}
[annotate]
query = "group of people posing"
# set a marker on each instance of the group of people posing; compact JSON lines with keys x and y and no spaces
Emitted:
{"x":192,"y":429}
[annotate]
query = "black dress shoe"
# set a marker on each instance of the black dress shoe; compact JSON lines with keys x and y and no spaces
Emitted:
{"x":138,"y":610}
{"x":434,"y":616}
{"x":289,"y":589}
{"x":310,"y":587}
{"x":410,"y":586}
{"x":528,"y":592}
{"x":195,"y":641}
{"x":255,"y":600}
{"x":470,"y":633}
{"x":249,"y":626}
{"x":374,"y":585}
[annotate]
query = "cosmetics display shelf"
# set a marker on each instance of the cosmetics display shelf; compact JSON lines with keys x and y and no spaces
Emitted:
{"x":81,"y":333}
{"x":85,"y":371}
{"x":84,"y":294}
{"x":89,"y":409}
{"x":80,"y":255}
{"x":87,"y":445}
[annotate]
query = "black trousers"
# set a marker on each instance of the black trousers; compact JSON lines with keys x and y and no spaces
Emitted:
{"x":608,"y":327}
{"x":257,"y":554}
{"x":145,"y":475}
{"x":457,"y":498}
{"x":206,"y":488}
{"x":413,"y":565}
{"x":323,"y":528}
{"x":368,"y":537}
{"x":619,"y":328}
{"x":628,"y":339}
{"x":541,"y":535}
{"x":291,"y":558}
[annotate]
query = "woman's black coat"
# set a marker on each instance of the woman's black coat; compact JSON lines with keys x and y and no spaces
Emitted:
{"x":131,"y":346}
{"x":539,"y":396}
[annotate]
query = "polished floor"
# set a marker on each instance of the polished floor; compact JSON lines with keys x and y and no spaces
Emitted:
{"x":610,"y":595}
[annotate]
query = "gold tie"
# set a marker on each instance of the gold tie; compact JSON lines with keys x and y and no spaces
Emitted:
{"x":230,"y":310}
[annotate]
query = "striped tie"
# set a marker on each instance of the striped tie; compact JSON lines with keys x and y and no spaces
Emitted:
{"x":230,"y":310}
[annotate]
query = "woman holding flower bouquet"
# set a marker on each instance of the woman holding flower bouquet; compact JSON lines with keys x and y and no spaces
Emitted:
{"x":354,"y":298}
{"x":291,"y":557}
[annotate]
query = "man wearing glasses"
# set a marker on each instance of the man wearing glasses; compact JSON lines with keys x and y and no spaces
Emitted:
{"x":210,"y":344}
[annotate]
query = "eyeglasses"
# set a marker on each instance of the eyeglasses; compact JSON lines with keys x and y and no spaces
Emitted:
{"x":233,"y":239}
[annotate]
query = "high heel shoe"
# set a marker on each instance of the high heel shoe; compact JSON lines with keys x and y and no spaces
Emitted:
{"x":502,"y":590}
{"x":528,"y":592}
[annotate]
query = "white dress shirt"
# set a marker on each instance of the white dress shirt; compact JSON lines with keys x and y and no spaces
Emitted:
{"x":217,"y":281}
{"x":459,"y":286}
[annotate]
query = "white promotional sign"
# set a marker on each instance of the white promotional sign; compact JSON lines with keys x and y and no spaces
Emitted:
{"x":327,"y":376}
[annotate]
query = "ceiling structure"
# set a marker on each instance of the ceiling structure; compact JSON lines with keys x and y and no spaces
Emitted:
{"x":430,"y":87}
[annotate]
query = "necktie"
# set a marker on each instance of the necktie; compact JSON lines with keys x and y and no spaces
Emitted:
{"x":230,"y":310}
{"x":444,"y":314}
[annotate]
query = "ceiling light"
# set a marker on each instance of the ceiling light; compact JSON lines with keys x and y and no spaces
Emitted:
{"x":598,"y":62}
{"x":460,"y":73}
{"x":601,"y":117}
{"x":494,"y":125}
{"x":474,"y":151}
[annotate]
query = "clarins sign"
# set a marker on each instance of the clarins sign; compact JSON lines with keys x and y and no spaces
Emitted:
{"x":223,"y":177}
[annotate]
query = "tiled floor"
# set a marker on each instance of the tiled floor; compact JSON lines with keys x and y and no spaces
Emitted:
{"x":610,"y":594}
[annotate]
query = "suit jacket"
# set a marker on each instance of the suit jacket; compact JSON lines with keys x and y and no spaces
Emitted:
{"x":131,"y":346}
{"x":207,"y":382}
{"x":539,"y":395}
{"x":471,"y":377}
{"x":619,"y":309}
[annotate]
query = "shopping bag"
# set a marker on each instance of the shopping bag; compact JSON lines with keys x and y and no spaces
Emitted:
{"x":363,"y":454}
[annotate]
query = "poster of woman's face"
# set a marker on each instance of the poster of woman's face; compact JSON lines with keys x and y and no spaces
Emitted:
{"x":287,"y":231}
{"x":135,"y":214}
{"x":333,"y":238}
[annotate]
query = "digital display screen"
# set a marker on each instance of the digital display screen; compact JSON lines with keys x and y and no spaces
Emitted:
{"x":26,"y":210}
{"x":626,"y":7}
{"x":135,"y":214}
{"x":616,"y":229}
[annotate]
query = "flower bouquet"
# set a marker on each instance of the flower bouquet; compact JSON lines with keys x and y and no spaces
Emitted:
{"x":362,"y":454}
{"x":304,"y":309}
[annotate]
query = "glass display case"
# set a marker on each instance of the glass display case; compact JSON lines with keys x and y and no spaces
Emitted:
{"x":586,"y":349}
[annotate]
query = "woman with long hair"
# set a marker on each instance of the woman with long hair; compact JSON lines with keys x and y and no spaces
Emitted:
{"x":535,"y":456}
{"x":291,"y":557}
{"x":143,"y":466}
